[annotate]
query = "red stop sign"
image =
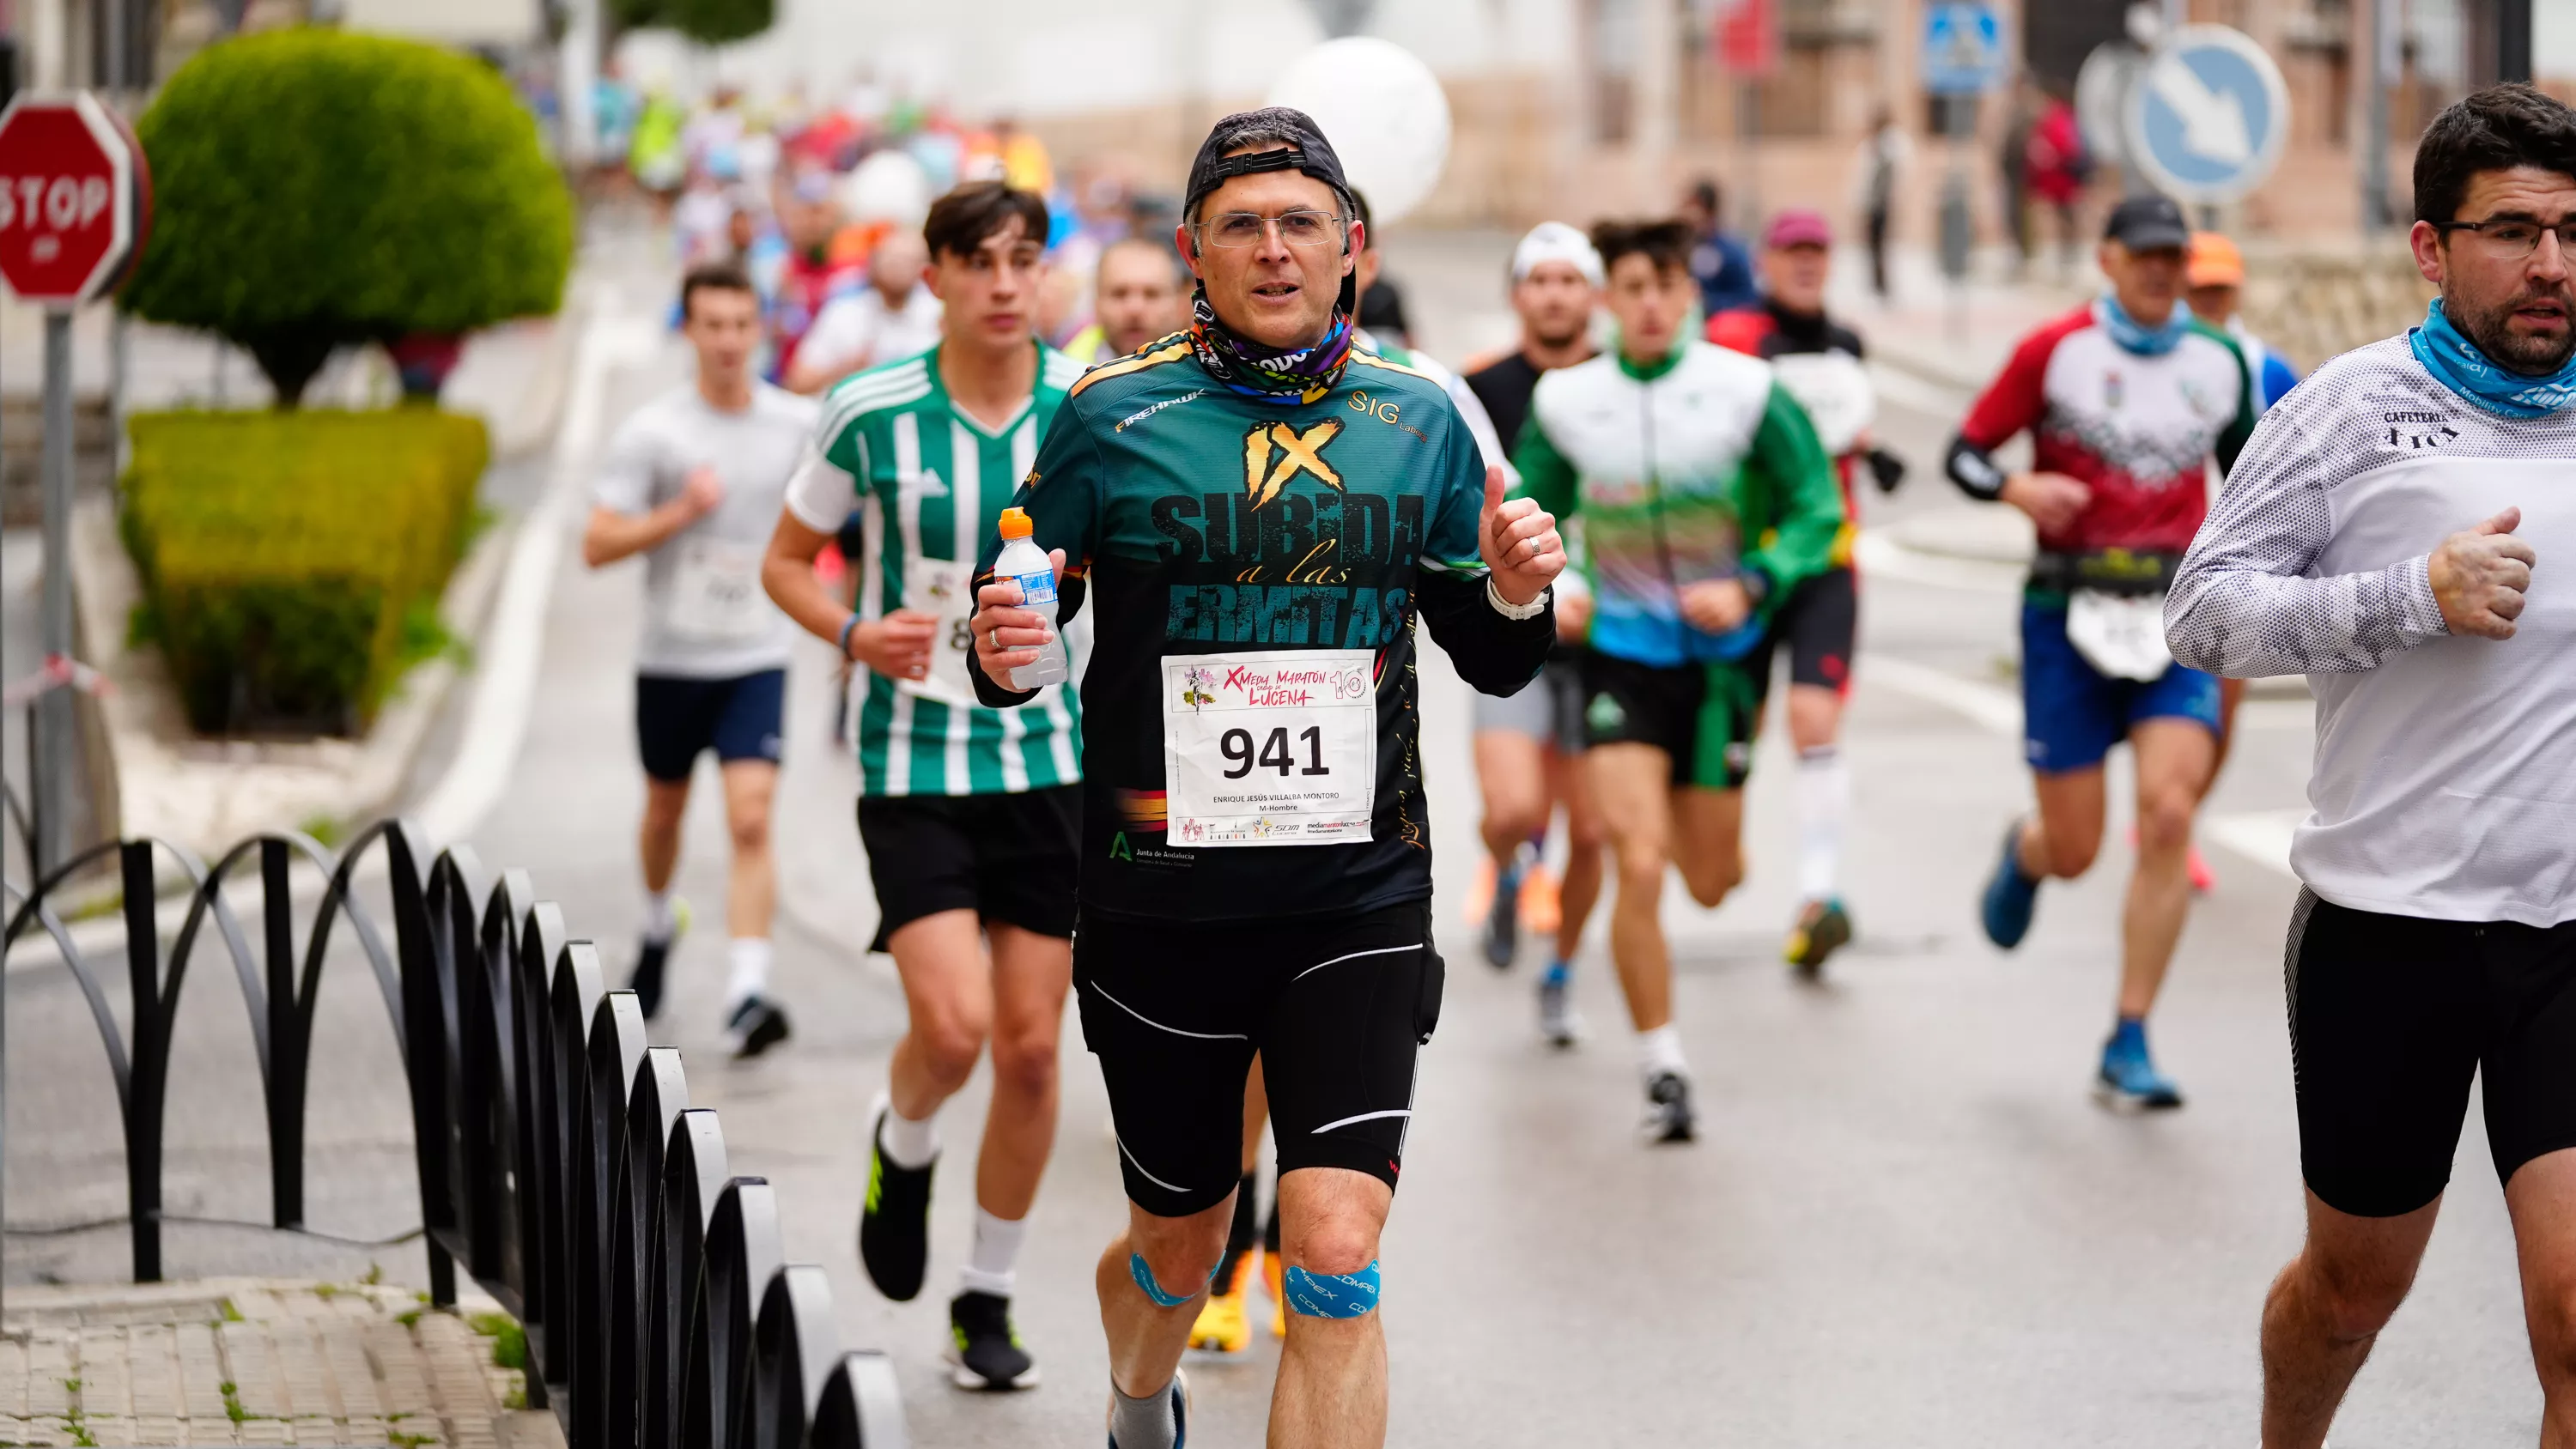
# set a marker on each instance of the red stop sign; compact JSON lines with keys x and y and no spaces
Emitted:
{"x":71,"y":197}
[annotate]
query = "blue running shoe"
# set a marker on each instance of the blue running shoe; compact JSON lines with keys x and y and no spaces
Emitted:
{"x":2010,"y":896}
{"x":2129,"y":1080}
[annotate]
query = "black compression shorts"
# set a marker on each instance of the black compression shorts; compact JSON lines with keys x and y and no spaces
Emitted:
{"x":1336,"y":1006}
{"x":2390,"y":1016}
{"x":1010,"y":857}
{"x":1702,"y":716}
{"x":1817,"y":624}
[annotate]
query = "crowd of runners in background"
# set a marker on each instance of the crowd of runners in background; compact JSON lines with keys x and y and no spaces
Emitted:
{"x":1682,"y":404}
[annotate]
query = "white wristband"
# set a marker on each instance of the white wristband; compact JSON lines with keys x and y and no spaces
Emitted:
{"x":1510,"y":610}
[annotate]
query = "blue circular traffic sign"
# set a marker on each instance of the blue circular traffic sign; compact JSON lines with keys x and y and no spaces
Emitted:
{"x":2207,"y":116}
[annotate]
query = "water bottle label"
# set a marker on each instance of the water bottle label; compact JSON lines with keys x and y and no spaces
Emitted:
{"x":1037,"y":588}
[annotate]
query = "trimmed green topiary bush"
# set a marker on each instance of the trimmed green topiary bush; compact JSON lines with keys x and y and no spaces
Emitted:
{"x":313,"y":188}
{"x":709,"y":22}
{"x":292,"y":564}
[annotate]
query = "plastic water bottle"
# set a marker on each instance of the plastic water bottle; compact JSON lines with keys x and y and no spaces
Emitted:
{"x":1026,"y":564}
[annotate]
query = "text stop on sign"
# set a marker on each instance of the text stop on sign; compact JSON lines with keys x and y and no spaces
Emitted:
{"x":72,"y":198}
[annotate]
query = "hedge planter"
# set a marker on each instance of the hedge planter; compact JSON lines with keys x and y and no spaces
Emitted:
{"x":292,"y":563}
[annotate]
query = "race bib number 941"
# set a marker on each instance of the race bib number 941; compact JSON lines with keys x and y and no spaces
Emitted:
{"x":1270,"y":748}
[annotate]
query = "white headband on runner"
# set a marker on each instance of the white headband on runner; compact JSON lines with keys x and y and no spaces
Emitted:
{"x":1554,"y":241}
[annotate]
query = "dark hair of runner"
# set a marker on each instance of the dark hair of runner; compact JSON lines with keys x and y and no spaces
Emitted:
{"x":1666,"y":243}
{"x":967,"y":217}
{"x":1705,"y":195}
{"x":2495,"y":129}
{"x":713,"y":276}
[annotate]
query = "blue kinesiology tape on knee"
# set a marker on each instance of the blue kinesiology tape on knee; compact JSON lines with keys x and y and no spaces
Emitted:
{"x":1331,"y":1295}
{"x":1144,"y":1276}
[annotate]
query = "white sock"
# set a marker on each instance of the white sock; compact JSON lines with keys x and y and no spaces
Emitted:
{"x":1660,"y":1051}
{"x":1824,"y":801}
{"x":908,"y":1143}
{"x":749,"y":957}
{"x":990,"y":1262}
{"x":661,"y":921}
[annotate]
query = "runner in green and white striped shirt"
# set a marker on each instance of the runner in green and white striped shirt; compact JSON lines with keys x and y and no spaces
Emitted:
{"x":969,"y":814}
{"x":930,"y":481}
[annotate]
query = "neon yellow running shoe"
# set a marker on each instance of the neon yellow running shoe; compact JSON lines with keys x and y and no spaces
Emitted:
{"x":1223,"y":1325}
{"x":1274,"y":1275}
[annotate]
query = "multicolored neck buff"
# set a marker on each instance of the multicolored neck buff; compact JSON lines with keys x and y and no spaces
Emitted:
{"x":1248,"y":369}
{"x":2136,"y":337}
{"x":2464,"y":368}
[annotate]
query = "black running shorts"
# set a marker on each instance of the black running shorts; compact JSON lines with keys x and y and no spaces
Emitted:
{"x":1817,"y":624}
{"x":1702,"y":716}
{"x":2390,"y":1016}
{"x":678,"y":719}
{"x":1011,"y":857}
{"x":1335,"y":1005}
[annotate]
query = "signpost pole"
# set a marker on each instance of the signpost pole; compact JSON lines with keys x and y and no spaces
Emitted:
{"x":53,"y":709}
{"x":2371,"y":145}
{"x":2513,"y":40}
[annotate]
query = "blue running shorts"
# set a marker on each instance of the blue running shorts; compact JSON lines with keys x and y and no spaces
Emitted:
{"x":2072,"y":713}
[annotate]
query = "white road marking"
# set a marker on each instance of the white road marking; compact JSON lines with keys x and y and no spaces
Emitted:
{"x":512,"y":648}
{"x":1987,"y":705}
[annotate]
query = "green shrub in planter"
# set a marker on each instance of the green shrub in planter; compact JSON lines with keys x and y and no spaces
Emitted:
{"x":292,"y":562}
{"x":313,"y":189}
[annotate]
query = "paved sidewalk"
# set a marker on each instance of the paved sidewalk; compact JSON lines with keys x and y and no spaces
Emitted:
{"x":255,"y":1361}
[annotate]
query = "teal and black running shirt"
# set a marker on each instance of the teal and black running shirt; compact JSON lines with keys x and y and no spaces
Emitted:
{"x":930,"y":483}
{"x":1249,"y":725}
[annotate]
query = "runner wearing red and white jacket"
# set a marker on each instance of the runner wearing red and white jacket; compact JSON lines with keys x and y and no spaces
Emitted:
{"x":2127,"y":401}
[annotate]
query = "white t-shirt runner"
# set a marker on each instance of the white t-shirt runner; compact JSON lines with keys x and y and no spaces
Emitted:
{"x":706,"y":615}
{"x":2445,"y":777}
{"x":857,"y":329}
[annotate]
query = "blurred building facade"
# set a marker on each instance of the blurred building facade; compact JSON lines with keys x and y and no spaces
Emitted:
{"x":1583,"y":107}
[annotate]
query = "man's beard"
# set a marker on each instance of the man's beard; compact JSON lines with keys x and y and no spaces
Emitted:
{"x":2491,"y":329}
{"x":1567,"y":338}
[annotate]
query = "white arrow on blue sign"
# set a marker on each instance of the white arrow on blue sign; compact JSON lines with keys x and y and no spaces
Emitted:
{"x":1963,"y":49}
{"x":2207,"y":115}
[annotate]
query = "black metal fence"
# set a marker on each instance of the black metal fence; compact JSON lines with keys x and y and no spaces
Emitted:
{"x":560,"y":1161}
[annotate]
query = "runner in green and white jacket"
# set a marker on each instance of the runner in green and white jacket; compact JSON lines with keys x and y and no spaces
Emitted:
{"x":1705,"y":499}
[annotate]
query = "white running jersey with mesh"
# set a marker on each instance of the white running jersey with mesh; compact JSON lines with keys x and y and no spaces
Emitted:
{"x":2445,"y":777}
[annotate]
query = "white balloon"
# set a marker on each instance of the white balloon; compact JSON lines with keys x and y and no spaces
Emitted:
{"x":1384,"y":112}
{"x":888,"y":186}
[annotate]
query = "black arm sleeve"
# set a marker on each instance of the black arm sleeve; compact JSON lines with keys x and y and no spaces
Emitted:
{"x":1495,"y":654}
{"x":1974,"y":470}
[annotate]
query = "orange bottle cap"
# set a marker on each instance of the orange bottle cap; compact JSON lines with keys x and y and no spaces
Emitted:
{"x":1015,"y":523}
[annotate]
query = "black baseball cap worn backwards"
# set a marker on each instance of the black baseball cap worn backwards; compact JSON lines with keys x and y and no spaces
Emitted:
{"x":1306,"y":150}
{"x":2147,"y":223}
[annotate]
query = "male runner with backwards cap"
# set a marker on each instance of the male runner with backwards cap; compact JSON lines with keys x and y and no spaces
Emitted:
{"x":1529,"y":746}
{"x":2126,"y":399}
{"x":2400,"y":531}
{"x":1263,"y":510}
{"x":1223,"y":1324}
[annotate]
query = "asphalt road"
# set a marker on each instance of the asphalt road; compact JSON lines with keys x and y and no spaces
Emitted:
{"x":1906,"y":1221}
